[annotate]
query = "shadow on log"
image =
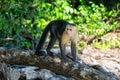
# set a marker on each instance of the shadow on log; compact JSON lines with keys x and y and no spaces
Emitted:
{"x":79,"y":71}
{"x":3,"y":75}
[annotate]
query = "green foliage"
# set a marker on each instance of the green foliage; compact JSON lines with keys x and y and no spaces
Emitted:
{"x":105,"y":44}
{"x":92,"y":19}
{"x":20,"y":19}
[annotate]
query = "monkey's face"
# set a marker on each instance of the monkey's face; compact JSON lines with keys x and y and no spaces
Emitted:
{"x":70,"y":30}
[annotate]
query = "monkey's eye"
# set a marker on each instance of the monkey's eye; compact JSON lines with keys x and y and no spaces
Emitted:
{"x":70,"y":29}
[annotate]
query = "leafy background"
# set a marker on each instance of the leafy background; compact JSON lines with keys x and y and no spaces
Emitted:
{"x":22,"y":21}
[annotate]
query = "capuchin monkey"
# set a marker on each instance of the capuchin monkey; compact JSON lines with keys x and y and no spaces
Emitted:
{"x":62,"y":31}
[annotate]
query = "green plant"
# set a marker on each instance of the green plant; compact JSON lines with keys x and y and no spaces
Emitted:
{"x":23,"y":19}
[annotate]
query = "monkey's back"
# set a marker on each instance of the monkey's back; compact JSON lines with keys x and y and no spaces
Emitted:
{"x":57,"y":27}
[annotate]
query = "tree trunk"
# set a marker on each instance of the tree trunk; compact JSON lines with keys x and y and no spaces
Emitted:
{"x":78,"y":71}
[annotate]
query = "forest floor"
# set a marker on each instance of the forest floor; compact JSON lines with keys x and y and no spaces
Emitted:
{"x":107,"y":58}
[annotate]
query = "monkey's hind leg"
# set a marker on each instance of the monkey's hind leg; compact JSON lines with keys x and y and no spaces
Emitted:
{"x":50,"y":45}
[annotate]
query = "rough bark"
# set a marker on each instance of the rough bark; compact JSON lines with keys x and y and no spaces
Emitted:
{"x":78,"y":71}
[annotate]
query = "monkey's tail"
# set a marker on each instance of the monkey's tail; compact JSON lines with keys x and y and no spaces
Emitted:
{"x":42,"y":40}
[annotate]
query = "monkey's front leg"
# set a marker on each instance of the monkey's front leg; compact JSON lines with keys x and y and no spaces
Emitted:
{"x":63,"y":56}
{"x":73,"y":50}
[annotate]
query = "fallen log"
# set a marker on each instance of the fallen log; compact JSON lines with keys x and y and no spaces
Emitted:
{"x":78,"y":71}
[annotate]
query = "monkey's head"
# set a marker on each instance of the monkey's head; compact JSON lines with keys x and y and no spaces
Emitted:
{"x":70,"y":29}
{"x":41,"y":52}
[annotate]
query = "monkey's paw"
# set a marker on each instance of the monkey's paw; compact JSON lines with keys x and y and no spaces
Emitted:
{"x":64,"y":62}
{"x":41,"y":52}
{"x":49,"y":53}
